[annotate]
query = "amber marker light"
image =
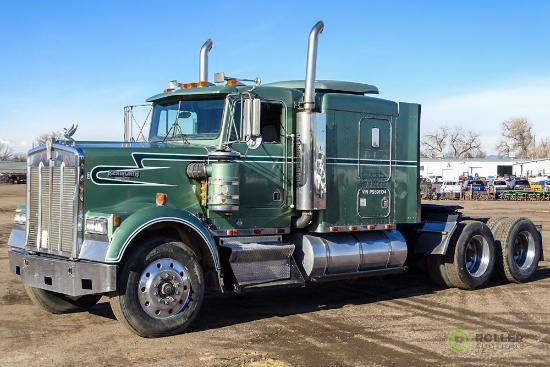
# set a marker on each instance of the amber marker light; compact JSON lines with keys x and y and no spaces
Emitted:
{"x":231,"y":82}
{"x":231,"y":232}
{"x":334,"y":229}
{"x":371,"y":227}
{"x":352,"y":228}
{"x":161,"y":199}
{"x":204,"y":83}
{"x":257,"y":231}
{"x":116,"y":221}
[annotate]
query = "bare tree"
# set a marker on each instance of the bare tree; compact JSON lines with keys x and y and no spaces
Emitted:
{"x":6,"y":151}
{"x":432,"y":145}
{"x":42,"y":139}
{"x":451,"y":143}
{"x":20,"y":157}
{"x":517,"y":138}
{"x":464,"y":144}
{"x":542,"y":149}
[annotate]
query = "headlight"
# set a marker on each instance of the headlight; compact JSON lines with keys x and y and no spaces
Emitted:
{"x":96,"y":225}
{"x":20,"y":217}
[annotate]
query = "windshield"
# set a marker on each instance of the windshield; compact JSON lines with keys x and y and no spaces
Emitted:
{"x":199,"y":119}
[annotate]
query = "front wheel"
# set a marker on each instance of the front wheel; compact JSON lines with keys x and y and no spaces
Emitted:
{"x":161,"y":289}
{"x":470,"y":258}
{"x":60,"y":303}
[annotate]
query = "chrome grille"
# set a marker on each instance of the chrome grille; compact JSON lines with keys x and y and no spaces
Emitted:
{"x":51,"y":208}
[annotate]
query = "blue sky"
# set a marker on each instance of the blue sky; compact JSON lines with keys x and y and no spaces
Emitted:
{"x":468,"y":63}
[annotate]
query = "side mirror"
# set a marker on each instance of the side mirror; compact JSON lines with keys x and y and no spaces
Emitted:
{"x":251,"y":131}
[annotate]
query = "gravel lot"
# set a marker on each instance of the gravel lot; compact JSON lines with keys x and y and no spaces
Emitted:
{"x":398,"y":320}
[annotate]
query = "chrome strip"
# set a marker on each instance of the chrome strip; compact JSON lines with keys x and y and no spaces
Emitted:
{"x":359,"y":228}
{"x":39,"y":209}
{"x":50,"y":205}
{"x":224,"y":183}
{"x":249,"y":231}
{"x":28,"y":211}
{"x":78,"y":205}
{"x":62,"y":182}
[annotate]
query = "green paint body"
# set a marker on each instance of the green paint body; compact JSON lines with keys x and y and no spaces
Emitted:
{"x":365,"y":184}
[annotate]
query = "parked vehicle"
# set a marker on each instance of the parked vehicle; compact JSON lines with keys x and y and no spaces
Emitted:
{"x":450,"y":190}
{"x":520,"y":184}
{"x":497,"y":186}
{"x":541,"y":184}
{"x":14,"y":178}
{"x":474,"y":185}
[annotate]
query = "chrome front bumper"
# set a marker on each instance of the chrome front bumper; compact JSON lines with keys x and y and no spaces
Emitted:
{"x":73,"y":278}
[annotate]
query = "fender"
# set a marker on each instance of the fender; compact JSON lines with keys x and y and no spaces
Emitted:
{"x":435,"y":235}
{"x":144,"y":218}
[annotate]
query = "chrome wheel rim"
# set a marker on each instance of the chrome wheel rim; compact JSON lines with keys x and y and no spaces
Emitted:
{"x":524,"y":250}
{"x":476,"y":256}
{"x":164,"y":288}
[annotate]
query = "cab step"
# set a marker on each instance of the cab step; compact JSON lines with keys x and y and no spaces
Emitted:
{"x":259,"y":262}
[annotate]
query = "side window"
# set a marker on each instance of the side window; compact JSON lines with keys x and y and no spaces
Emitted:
{"x":270,"y":122}
{"x":236,"y":132}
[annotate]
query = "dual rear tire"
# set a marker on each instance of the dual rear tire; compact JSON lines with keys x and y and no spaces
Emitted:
{"x":506,"y":248}
{"x":518,"y":249}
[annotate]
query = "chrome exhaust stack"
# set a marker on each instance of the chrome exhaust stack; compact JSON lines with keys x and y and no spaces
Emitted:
{"x":203,"y":61}
{"x":311,"y":65}
{"x":311,"y":186}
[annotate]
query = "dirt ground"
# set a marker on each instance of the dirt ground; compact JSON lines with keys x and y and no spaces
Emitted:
{"x":398,"y":320}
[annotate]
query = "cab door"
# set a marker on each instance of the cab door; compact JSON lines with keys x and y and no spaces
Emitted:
{"x":263,"y":169}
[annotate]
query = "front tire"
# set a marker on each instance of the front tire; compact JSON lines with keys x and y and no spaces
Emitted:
{"x":161,"y":288}
{"x":470,"y":258}
{"x":519,"y":248}
{"x":57,"y":303}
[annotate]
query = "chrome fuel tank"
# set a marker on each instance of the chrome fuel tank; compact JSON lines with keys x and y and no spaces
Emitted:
{"x":328,"y":254}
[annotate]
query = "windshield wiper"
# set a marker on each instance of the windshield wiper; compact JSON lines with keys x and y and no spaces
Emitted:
{"x":175,"y":128}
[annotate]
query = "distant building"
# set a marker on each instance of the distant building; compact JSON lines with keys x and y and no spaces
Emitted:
{"x":452,"y":168}
{"x":13,"y":167}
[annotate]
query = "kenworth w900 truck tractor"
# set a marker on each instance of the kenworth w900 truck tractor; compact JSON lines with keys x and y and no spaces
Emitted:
{"x":241,"y":187}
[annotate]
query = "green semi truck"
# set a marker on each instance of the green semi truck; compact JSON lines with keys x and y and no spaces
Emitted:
{"x":242,"y":187}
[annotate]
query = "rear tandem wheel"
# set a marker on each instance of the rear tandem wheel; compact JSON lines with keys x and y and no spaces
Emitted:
{"x":470,"y":258}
